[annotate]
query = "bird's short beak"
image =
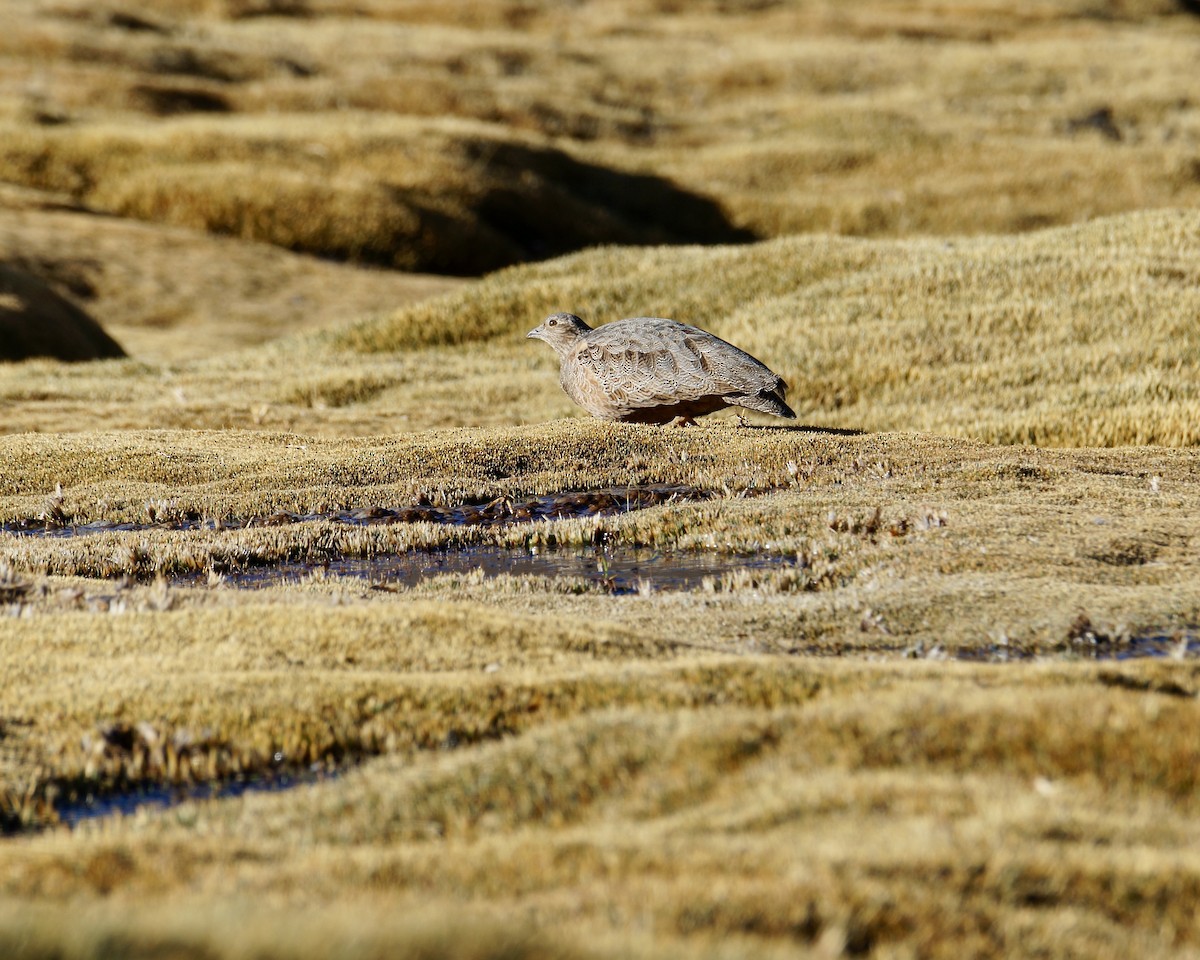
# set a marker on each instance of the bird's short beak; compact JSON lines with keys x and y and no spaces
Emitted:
{"x":534,"y":334}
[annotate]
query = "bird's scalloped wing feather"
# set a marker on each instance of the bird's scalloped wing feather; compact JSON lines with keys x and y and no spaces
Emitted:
{"x":652,"y":362}
{"x":644,"y":376}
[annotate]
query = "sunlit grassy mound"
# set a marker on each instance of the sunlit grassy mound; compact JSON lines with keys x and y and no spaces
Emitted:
{"x":167,"y":293}
{"x":1076,"y":336}
{"x":737,"y":809}
{"x":414,"y":194}
{"x":788,"y":759}
{"x":777,"y":760}
{"x":240,"y":931}
{"x":459,"y":137}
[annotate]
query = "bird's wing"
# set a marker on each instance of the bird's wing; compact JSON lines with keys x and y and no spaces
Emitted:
{"x":650,"y":362}
{"x":652,"y":366}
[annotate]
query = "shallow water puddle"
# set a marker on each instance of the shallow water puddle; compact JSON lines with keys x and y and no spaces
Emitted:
{"x":619,"y":570}
{"x":161,"y":797}
{"x":1176,"y":646}
{"x":553,"y":506}
{"x":1179,"y":645}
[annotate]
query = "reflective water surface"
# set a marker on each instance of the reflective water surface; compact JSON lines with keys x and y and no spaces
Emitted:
{"x":618,"y":570}
{"x":551,"y":506}
{"x":127,"y":803}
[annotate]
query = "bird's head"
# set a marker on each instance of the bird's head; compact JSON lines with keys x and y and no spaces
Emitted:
{"x":560,"y":330}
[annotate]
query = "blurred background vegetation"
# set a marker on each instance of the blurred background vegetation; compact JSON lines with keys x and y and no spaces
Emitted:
{"x":454,"y":138}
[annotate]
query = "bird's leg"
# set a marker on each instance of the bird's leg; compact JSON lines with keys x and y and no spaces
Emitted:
{"x":741,"y":420}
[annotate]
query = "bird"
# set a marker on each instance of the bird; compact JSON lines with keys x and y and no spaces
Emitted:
{"x":653,"y":370}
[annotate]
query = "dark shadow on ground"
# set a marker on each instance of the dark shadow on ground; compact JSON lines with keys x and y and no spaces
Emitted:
{"x":37,"y":322}
{"x":807,"y":428}
{"x":545,"y":203}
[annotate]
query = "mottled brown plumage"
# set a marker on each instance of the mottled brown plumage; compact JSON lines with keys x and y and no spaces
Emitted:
{"x":651,"y":370}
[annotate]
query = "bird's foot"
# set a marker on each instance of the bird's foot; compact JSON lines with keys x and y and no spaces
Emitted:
{"x":741,"y":420}
{"x":684,"y":422}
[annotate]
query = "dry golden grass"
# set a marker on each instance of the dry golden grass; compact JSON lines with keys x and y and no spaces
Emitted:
{"x":461,"y":137}
{"x":447,"y":196}
{"x":168,"y":294}
{"x":784,"y":762}
{"x":1081,"y":336}
{"x":1076,"y":336}
{"x":662,"y":774}
{"x":942,"y":810}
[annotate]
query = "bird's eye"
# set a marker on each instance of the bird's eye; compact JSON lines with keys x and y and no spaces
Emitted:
{"x":552,"y":323}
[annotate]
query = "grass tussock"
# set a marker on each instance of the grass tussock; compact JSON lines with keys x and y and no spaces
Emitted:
{"x":440,"y":196}
{"x":1081,"y":336}
{"x":229,"y":930}
{"x":783,"y":759}
{"x":483,"y":134}
{"x":902,"y":547}
{"x":857,"y":807}
{"x":914,"y":735}
{"x":168,"y":294}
